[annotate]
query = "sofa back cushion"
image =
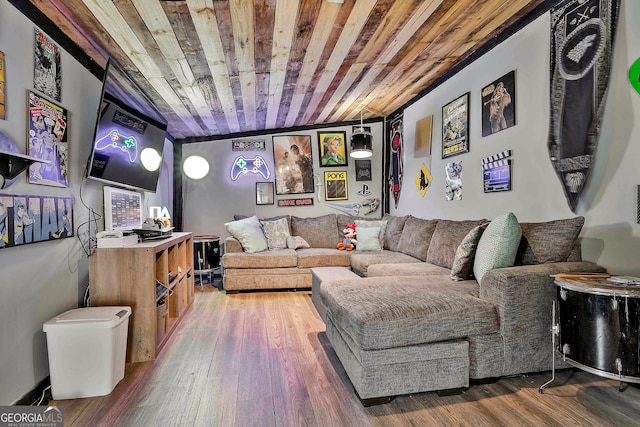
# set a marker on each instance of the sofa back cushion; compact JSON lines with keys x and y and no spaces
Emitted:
{"x":318,"y":232}
{"x":547,"y":242}
{"x":446,"y":238}
{"x":393,"y":231}
{"x":416,"y":236}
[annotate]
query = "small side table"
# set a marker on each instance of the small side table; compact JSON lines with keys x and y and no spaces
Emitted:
{"x":597,"y":323}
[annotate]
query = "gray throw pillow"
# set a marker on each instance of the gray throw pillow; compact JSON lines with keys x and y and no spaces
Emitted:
{"x":465,"y":254}
{"x":416,"y":236}
{"x":318,"y":232}
{"x":446,"y":239}
{"x":547,"y":242}
{"x":276,"y":232}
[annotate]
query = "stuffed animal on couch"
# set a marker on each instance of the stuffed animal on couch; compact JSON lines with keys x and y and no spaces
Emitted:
{"x":349,"y":241}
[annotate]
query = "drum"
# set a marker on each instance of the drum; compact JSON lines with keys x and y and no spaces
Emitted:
{"x":598,"y":328}
{"x":206,"y":253}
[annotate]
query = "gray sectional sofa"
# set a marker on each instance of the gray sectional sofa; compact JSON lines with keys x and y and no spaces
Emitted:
{"x":441,"y":303}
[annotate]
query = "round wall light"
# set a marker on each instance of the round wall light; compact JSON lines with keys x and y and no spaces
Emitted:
{"x":195,"y":167}
{"x":150,"y":159}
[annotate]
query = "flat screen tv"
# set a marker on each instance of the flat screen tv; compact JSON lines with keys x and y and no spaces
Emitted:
{"x":122,"y":137}
{"x":123,"y":209}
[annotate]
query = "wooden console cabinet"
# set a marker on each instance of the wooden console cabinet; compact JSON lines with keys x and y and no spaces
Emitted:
{"x":129,"y":276}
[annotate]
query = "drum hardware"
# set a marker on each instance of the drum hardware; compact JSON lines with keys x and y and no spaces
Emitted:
{"x":555,"y":330}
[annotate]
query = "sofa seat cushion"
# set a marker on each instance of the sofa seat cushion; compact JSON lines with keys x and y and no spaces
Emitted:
{"x":273,"y":258}
{"x":406,"y":269}
{"x":322,"y":257}
{"x":360,"y":261}
{"x":387,"y":312}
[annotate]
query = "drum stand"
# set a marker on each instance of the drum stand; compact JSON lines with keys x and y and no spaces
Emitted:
{"x":555,"y":330}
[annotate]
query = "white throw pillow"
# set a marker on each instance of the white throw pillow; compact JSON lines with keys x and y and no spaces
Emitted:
{"x":368,"y":239}
{"x":382,"y":224}
{"x":498,"y":245}
{"x":249,"y":233}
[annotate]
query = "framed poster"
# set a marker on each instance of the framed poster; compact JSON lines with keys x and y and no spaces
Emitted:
{"x":363,"y":170}
{"x":47,"y":140}
{"x":335,"y":184}
{"x":264,"y":193}
{"x":294,"y":164}
{"x":422,"y":146}
{"x":47,"y":71}
{"x":332,"y":149}
{"x":455,"y":125}
{"x":498,"y":104}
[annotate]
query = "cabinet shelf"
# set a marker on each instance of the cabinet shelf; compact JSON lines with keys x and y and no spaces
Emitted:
{"x":128,"y":276}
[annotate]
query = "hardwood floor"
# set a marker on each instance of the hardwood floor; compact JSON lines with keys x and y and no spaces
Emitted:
{"x":262,"y":359}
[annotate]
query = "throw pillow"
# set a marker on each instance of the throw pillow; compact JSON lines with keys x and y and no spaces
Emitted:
{"x":446,"y":238}
{"x":368,"y":239}
{"x":416,"y":236}
{"x":319,"y":232}
{"x":276,"y":232}
{"x":249,"y":233}
{"x":498,"y":245}
{"x":546,"y":242}
{"x":466,"y":252}
{"x":296,"y":242}
{"x":381,"y":224}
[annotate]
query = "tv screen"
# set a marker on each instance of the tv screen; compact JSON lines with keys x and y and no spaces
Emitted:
{"x":122,"y":139}
{"x":123,"y":209}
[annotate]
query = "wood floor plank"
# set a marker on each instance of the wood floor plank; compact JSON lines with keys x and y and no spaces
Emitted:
{"x":263,"y":359}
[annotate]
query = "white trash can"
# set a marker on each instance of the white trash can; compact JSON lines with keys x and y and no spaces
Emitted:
{"x":87,"y":348}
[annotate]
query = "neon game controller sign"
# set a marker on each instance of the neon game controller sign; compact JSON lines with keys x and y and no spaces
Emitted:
{"x":116,"y":141}
{"x":242,"y":166}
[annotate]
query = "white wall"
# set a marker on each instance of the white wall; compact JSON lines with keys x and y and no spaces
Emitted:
{"x":610,"y":235}
{"x":41,"y":280}
{"x":212,"y":201}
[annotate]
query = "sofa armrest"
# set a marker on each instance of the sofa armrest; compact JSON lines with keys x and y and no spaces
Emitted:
{"x":523,"y":297}
{"x":231,"y":244}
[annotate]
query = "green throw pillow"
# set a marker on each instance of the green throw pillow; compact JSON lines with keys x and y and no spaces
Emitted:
{"x":249,"y":233}
{"x":368,"y":239}
{"x":498,"y":245}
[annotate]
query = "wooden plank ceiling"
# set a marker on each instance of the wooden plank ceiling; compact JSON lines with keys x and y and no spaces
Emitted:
{"x":214,"y":68}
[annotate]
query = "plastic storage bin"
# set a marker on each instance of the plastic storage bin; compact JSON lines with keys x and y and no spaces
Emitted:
{"x":87,"y":348}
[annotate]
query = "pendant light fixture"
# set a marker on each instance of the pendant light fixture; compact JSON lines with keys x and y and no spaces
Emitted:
{"x":361,"y":143}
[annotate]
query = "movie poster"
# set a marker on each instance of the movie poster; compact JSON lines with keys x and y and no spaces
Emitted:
{"x":294,"y":164}
{"x":47,"y":72}
{"x":499,"y":104}
{"x":47,"y":141}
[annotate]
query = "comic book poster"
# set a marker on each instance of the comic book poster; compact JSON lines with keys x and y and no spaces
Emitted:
{"x":47,"y":72}
{"x":47,"y":141}
{"x":30,"y":219}
{"x":3,"y":114}
{"x":582,"y":38}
